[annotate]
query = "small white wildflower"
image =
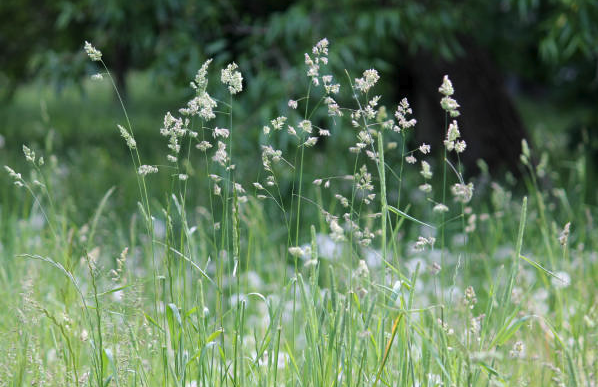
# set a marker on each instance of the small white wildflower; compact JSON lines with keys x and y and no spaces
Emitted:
{"x":217,"y":190}
{"x":146,"y":169}
{"x":424,"y":148}
{"x":203,"y":146}
{"x":292,"y":104}
{"x":93,"y":53}
{"x":317,"y":182}
{"x":411,"y":159}
{"x":97,"y":77}
{"x":127,"y":136}
{"x":232,"y":78}
{"x":266,"y":130}
{"x":183,"y":177}
{"x":171,"y":158}
{"x":324,"y":132}
{"x":426,"y":171}
{"x":291,"y":130}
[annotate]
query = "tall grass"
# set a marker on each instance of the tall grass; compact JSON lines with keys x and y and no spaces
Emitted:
{"x":330,"y":284}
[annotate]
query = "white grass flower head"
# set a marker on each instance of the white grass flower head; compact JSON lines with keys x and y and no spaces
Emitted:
{"x":29,"y":154}
{"x":411,"y":159}
{"x":337,"y":232}
{"x":93,"y":53}
{"x":183,"y":177}
{"x":306,"y":126}
{"x":200,"y":82}
{"x":203,"y":146}
{"x":333,"y":108}
{"x":469,"y":297}
{"x":362,"y":269}
{"x":127,"y":136}
{"x":12,"y":173}
{"x":564,"y":236}
{"x":426,"y":171}
{"x":221,"y":132}
{"x":321,"y":48}
{"x":427,"y":188}
{"x":424,"y":148}
{"x":221,"y":156}
{"x":440,"y":208}
{"x":462,"y":192}
{"x":292,"y":104}
{"x":296,"y":251}
{"x":518,"y":350}
{"x":367,"y":81}
{"x":422,"y":242}
{"x":311,"y":141}
{"x":278,"y":122}
{"x":402,"y":115}
{"x":147,"y":169}
{"x":447,"y":87}
{"x":460,"y":146}
{"x":232,"y":78}
{"x":97,"y":77}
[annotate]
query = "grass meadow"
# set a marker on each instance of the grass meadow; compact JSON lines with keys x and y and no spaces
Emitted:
{"x":223,"y":249}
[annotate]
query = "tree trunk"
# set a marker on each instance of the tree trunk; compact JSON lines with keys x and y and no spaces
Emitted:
{"x":489,"y":122}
